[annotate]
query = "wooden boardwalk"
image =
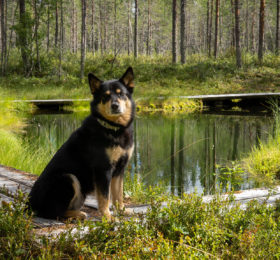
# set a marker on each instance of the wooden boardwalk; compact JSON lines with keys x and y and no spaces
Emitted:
{"x":244,"y":99}
{"x":11,"y":180}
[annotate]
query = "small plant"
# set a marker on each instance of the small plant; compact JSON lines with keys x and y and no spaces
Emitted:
{"x":233,"y":174}
{"x":136,"y":190}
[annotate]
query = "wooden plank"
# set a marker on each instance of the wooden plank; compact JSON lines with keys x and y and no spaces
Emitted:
{"x":58,"y":102}
{"x":233,"y":96}
{"x":12,"y":186}
{"x":43,"y":222}
{"x":4,"y":198}
{"x":52,"y":102}
{"x":17,"y":175}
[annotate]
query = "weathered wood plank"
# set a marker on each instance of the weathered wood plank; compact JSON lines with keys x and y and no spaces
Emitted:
{"x":220,"y":97}
{"x":17,"y":175}
{"x":4,"y":198}
{"x":233,"y":96}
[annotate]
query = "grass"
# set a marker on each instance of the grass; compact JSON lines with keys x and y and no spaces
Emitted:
{"x":15,"y":151}
{"x":186,"y":228}
{"x":263,"y":163}
{"x":155,"y":76}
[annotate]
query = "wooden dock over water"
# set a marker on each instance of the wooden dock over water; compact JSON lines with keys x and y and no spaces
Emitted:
{"x":12,"y":179}
{"x":243,"y":100}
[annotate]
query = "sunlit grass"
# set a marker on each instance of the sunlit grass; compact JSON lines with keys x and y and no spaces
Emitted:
{"x":263,"y":162}
{"x":154,"y":76}
{"x":15,"y":152}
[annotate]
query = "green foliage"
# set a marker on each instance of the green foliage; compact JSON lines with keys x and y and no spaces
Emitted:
{"x":137,"y":191}
{"x":15,"y":152}
{"x":264,"y":160}
{"x":184,"y":228}
{"x":233,"y":173}
{"x":16,"y":240}
{"x":155,"y":76}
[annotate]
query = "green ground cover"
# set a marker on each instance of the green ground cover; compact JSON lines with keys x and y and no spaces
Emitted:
{"x":155,"y":76}
{"x":186,"y":228}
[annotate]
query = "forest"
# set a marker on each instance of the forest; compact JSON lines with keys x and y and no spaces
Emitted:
{"x":38,"y":36}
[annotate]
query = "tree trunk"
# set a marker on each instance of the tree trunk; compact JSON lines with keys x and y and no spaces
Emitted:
{"x":136,"y":30}
{"x":237,"y":34}
{"x":115,"y":27}
{"x":233,"y":29}
{"x":56,"y":25}
{"x":3,"y":38}
{"x":105,"y":25}
{"x":216,"y":28}
{"x":62,"y":32}
{"x":23,"y":38}
{"x":73,"y":27}
{"x":210,"y":28}
{"x":207,"y":23}
{"x":252,"y":28}
{"x":174,"y":31}
{"x":247,"y":26}
{"x":100,"y":27}
{"x":261,"y":30}
{"x":148,"y":51}
{"x":37,"y":64}
{"x":183,"y":32}
{"x":277,"y":41}
{"x":92,"y":26}
{"x":61,"y":39}
{"x":128,"y":27}
{"x":11,"y":32}
{"x":48,"y":29}
{"x":83,"y":38}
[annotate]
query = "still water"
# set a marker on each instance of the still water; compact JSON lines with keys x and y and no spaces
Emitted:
{"x":184,"y":153}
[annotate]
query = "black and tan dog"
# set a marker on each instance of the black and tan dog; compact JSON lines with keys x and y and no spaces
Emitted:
{"x":93,"y":159}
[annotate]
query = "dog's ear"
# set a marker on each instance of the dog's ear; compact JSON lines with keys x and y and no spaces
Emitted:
{"x":128,"y":79}
{"x":94,"y":83}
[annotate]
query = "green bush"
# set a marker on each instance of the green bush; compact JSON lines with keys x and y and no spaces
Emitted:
{"x":185,"y":228}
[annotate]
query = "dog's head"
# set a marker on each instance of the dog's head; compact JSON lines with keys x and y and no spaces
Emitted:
{"x":112,"y":99}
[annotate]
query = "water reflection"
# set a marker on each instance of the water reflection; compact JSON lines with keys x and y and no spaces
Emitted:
{"x":182,"y":152}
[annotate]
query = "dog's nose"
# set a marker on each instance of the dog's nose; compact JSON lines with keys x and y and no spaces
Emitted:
{"x":115,"y":106}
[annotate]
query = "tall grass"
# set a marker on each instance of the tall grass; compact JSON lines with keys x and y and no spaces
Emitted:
{"x":14,"y":151}
{"x":264,"y":160}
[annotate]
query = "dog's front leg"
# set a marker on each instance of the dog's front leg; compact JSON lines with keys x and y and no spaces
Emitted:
{"x":117,"y":191}
{"x":117,"y":194}
{"x":103,"y":196}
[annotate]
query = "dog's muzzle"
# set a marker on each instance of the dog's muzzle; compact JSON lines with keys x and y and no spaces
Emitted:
{"x":116,"y":108}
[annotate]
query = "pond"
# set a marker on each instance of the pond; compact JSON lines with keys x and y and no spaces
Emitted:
{"x":185,"y":153}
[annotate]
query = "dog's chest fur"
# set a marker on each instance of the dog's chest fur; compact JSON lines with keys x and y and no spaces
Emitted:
{"x":114,"y":153}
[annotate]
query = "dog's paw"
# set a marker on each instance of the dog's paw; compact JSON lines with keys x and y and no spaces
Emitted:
{"x":82,"y":215}
{"x":128,"y":211}
{"x":75,"y":214}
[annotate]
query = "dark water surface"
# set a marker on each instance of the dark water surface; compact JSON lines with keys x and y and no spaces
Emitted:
{"x":184,"y":153}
